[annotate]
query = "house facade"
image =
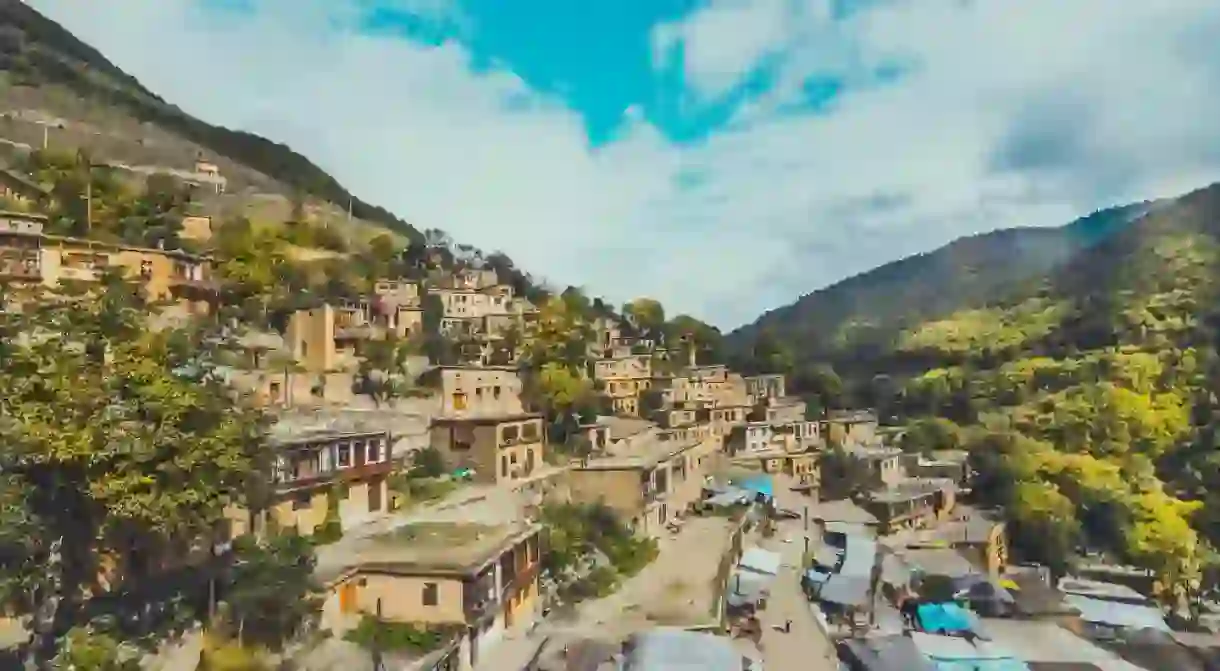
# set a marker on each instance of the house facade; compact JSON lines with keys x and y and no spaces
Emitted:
{"x":321,"y":473}
{"x":474,"y":583}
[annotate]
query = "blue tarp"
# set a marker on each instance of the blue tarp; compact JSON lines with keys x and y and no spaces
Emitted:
{"x":944,"y":617}
{"x":759,"y":484}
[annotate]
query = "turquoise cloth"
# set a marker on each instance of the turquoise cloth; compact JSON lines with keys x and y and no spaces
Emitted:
{"x":944,"y":617}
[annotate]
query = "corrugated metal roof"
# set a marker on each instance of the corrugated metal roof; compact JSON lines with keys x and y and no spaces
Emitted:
{"x":671,"y":649}
{"x":845,"y":590}
{"x":760,"y":561}
{"x":955,"y":653}
{"x":1114,"y":614}
{"x":885,"y":653}
{"x":859,"y":556}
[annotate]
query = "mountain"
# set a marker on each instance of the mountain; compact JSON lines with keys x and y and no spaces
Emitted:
{"x":869,"y":310}
{"x":75,"y":88}
{"x":1089,"y":397}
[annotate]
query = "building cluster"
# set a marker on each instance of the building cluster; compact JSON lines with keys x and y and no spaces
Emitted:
{"x":945,"y":598}
{"x":30,"y":256}
{"x":903,"y":576}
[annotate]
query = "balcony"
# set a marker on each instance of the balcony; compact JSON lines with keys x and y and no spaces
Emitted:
{"x":314,"y":478}
{"x":519,"y":581}
{"x":479,"y":597}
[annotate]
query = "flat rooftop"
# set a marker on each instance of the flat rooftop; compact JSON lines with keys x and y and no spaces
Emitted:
{"x":873,"y":451}
{"x":647,"y":455}
{"x":299,"y":437}
{"x":625,"y":427}
{"x":911,"y":488}
{"x":484,"y":417}
{"x":425,"y":548}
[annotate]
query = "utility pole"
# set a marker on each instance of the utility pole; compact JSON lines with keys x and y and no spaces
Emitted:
{"x":806,"y":536}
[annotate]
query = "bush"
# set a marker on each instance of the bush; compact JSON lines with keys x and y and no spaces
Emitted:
{"x":428,"y":463}
{"x":389,"y":636}
{"x":331,"y":528}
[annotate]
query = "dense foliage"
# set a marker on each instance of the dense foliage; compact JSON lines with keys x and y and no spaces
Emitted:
{"x":1086,"y":398}
{"x":852,"y":324}
{"x":120,"y":450}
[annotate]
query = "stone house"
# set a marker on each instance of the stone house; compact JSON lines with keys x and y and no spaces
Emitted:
{"x":476,"y":581}
{"x":313,"y":468}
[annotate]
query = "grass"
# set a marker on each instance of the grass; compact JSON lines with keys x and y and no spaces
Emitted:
{"x":415,"y":491}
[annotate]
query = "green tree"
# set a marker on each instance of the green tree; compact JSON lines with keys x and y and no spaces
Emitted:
{"x":689,"y":335}
{"x":1043,"y":526}
{"x":382,"y":373}
{"x":820,"y":383}
{"x":427,"y":463}
{"x":272,"y":596}
{"x":87,"y":650}
{"x":648,"y":316}
{"x":930,"y":434}
{"x":119,"y":442}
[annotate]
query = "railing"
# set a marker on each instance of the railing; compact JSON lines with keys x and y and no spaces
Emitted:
{"x":338,"y":475}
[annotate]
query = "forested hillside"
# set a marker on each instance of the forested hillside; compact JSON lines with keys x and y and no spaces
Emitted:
{"x":37,"y":52}
{"x":1088,"y":401}
{"x":852,"y":321}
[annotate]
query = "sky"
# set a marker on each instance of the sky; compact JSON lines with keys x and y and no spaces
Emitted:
{"x":722,"y":156}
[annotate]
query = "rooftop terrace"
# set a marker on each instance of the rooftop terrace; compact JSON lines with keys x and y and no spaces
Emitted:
{"x":422,"y":547}
{"x":646,"y":455}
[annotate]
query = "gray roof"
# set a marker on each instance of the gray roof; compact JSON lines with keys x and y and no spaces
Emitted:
{"x":938,"y":561}
{"x":954,"y":652}
{"x":748,"y":587}
{"x":841,"y":510}
{"x":758,"y":560}
{"x":885,"y":653}
{"x":1048,"y":642}
{"x":845,"y":590}
{"x":859,"y":556}
{"x":1115,"y":614}
{"x":672,"y":649}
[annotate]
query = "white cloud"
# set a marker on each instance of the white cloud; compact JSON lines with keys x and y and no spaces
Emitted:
{"x":1016,"y":112}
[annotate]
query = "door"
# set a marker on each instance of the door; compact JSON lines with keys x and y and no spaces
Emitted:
{"x":375,"y":487}
{"x":347,"y":597}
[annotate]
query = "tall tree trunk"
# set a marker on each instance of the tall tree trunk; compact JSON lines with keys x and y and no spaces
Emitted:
{"x":46,"y":613}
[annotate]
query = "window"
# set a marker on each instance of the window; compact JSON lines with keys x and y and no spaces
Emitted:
{"x":345,"y":456}
{"x":374,"y":451}
{"x":504,"y":466}
{"x":301,"y":501}
{"x":274,"y":390}
{"x":430,"y":594}
{"x":512,"y":458}
{"x":509,"y":434}
{"x":529,"y":431}
{"x":478,"y":393}
{"x":495,"y":391}
{"x":459,"y":401}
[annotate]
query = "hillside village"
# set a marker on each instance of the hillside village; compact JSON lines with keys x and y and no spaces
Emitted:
{"x":250,"y":426}
{"x":487,"y":481}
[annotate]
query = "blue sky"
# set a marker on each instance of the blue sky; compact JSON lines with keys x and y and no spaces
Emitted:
{"x":723,"y":156}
